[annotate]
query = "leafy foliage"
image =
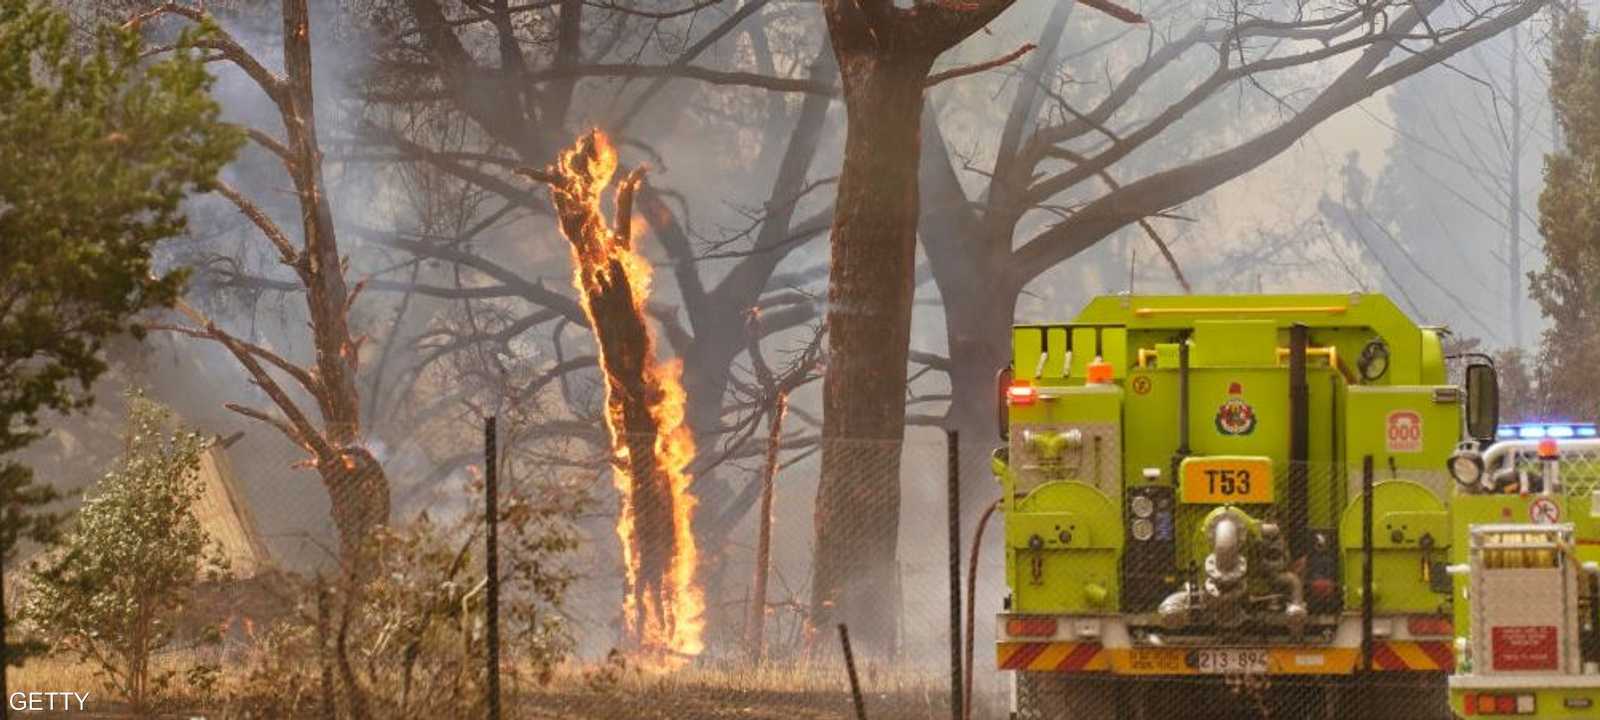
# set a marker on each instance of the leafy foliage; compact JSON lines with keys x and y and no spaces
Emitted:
{"x":127,"y":568}
{"x":19,"y":496}
{"x":97,"y":150}
{"x":1568,"y":289}
{"x":18,"y":493}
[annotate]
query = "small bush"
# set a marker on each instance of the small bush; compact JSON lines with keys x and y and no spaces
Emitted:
{"x":111,"y":593}
{"x":412,"y":643}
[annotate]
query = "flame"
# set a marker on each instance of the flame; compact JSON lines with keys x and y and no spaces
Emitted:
{"x":663,"y":615}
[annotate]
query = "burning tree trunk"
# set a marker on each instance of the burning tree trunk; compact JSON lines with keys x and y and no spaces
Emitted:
{"x":651,"y":446}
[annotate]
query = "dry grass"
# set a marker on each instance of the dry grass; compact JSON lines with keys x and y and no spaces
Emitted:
{"x":710,"y":691}
{"x":806,"y":691}
{"x":64,"y":675}
{"x":58,"y":675}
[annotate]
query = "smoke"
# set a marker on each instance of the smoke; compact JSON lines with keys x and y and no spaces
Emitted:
{"x":713,"y":151}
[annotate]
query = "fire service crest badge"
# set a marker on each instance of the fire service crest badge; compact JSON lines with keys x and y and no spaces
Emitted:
{"x":1235,"y":416}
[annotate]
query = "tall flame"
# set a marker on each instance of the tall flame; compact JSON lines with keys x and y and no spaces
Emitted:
{"x":663,"y":605}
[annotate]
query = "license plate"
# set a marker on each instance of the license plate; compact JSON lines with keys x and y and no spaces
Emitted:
{"x":1218,"y":480}
{"x":1230,"y":661}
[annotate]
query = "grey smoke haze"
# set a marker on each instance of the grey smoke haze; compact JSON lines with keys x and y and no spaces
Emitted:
{"x":715,"y":151}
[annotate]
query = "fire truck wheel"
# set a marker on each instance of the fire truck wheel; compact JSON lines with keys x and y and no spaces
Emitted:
{"x":1056,"y":696}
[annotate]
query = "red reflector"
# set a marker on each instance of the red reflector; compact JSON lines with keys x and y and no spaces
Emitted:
{"x":1505,"y":704}
{"x":1429,"y":625}
{"x":1031,"y":627}
{"x":1022,"y":394}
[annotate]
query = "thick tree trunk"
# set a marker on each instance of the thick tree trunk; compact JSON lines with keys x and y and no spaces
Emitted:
{"x":869,"y":328}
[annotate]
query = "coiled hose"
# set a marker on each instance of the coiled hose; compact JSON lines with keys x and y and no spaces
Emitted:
{"x":972,"y":592}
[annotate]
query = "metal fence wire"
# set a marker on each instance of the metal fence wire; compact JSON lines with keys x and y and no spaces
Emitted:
{"x":712,"y":588}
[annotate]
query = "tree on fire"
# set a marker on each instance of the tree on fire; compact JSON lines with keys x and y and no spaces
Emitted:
{"x":662,"y":604}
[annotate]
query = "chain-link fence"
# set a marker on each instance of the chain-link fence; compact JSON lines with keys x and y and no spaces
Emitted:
{"x":714,"y":588}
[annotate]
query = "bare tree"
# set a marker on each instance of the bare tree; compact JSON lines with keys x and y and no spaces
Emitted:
{"x":1040,"y":205}
{"x":354,"y":479}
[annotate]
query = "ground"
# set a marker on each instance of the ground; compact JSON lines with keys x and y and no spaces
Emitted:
{"x":742,"y":693}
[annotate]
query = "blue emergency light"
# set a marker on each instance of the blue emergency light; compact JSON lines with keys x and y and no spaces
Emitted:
{"x":1537,"y":431}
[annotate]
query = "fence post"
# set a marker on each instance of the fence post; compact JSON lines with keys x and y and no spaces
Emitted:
{"x":850,"y":667}
{"x":953,"y":480}
{"x":492,"y":560}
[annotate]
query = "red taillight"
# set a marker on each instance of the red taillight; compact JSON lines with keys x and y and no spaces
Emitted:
{"x":1469,"y":704}
{"x":1031,"y":627}
{"x":1505,"y":704}
{"x":1022,"y":393}
{"x":1548,"y":449}
{"x":1429,"y":625}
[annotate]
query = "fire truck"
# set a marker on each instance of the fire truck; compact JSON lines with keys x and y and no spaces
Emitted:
{"x":1201,"y":488}
{"x":1528,"y":517}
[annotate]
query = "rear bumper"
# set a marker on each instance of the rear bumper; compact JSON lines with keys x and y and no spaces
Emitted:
{"x":1104,"y":645}
{"x":1555,"y":696}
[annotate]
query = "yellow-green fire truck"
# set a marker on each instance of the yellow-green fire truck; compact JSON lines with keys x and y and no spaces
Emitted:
{"x":1183,"y":499}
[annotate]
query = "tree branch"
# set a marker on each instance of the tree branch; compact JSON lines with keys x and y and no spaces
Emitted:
{"x":954,"y":73}
{"x":1151,"y":194}
{"x":287,"y":253}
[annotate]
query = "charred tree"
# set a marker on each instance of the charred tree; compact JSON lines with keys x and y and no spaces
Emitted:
{"x":644,"y":402}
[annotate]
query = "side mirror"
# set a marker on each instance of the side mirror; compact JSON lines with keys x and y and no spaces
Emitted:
{"x":1483,"y":402}
{"x":1002,"y":404}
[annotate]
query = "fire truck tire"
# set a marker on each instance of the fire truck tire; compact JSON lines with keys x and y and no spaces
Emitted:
{"x":1057,"y":696}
